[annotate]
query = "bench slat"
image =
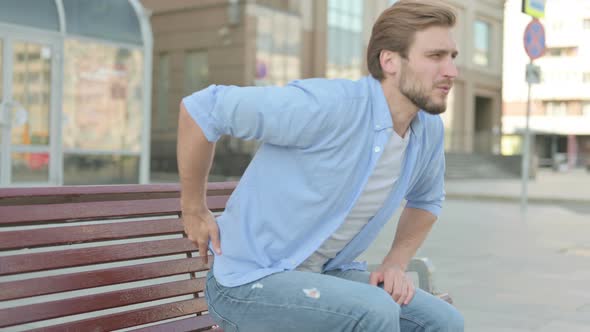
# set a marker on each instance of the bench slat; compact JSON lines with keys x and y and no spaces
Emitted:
{"x":84,"y":304}
{"x":87,"y":256}
{"x":213,"y":189}
{"x":131,"y":318}
{"x":50,"y":213}
{"x":75,"y":281}
{"x":31,"y":238}
{"x":182,"y":325}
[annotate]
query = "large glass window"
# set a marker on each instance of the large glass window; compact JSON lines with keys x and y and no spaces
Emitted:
{"x":278,"y":51}
{"x":102,"y":110}
{"x":345,"y":49}
{"x":31,"y":88}
{"x":105,"y":19}
{"x":35,"y":13}
{"x":162,"y":92}
{"x":482,"y":41}
{"x":196,"y":71}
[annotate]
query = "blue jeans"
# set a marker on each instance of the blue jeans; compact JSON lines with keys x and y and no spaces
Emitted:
{"x":332,"y":301}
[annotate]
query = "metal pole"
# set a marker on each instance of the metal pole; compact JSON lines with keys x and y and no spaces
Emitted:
{"x":526,"y":153}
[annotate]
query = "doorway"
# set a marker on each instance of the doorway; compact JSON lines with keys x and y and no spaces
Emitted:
{"x":29,"y":140}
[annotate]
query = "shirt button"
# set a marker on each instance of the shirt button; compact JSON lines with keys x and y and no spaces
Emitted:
{"x":377,"y":127}
{"x":377,"y":149}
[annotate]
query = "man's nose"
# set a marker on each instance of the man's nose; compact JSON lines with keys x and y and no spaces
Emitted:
{"x":450,"y":70}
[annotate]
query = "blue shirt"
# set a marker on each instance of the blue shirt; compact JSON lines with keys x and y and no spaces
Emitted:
{"x":320,"y":141}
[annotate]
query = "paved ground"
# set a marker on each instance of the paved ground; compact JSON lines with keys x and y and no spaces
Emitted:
{"x":507,"y":271}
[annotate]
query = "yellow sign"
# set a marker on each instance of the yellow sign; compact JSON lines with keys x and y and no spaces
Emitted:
{"x":534,"y":8}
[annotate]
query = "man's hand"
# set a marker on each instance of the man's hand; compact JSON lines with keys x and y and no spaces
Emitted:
{"x":200,"y":227}
{"x":395,"y":282}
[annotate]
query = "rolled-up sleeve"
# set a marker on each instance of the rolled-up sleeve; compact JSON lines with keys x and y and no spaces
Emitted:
{"x":290,"y":115}
{"x":429,"y":193}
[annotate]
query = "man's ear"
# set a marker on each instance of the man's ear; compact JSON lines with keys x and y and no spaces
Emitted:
{"x":390,"y":62}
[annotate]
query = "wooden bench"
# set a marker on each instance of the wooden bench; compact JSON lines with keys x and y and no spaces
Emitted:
{"x":102,"y":258}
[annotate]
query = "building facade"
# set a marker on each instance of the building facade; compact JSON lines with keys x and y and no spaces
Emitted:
{"x":560,"y":103}
{"x":262,"y":42}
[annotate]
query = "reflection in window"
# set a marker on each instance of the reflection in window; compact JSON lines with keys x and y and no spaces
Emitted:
{"x":1,"y":75}
{"x":481,"y":55}
{"x":162,"y":91}
{"x":345,"y":49}
{"x":102,"y":97}
{"x":196,"y":74}
{"x":278,"y":51}
{"x":30,"y":114}
{"x":30,"y":167}
{"x":81,"y":169}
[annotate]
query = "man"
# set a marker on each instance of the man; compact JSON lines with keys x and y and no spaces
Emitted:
{"x":336,"y":160}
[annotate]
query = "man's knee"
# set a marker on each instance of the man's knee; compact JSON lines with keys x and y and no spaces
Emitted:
{"x":381,"y":313}
{"x":456,"y":321}
{"x":449,"y":320}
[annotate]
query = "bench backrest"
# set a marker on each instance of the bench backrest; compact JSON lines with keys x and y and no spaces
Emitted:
{"x":99,"y":258}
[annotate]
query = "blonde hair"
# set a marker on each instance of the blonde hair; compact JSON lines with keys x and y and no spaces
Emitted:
{"x":396,"y":27}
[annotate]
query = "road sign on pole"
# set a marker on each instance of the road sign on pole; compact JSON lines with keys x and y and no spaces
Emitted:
{"x":534,"y":39}
{"x":534,"y":8}
{"x":534,"y":45}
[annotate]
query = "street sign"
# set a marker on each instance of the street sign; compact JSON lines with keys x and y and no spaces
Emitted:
{"x":533,"y":74}
{"x":534,"y":39}
{"x":534,"y":8}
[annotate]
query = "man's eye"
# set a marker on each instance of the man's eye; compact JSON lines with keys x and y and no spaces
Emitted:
{"x":436,"y":55}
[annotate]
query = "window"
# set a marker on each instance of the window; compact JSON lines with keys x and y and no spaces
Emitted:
{"x":586,"y":109}
{"x":162,"y":91}
{"x":556,"y":108}
{"x":587,"y":24}
{"x":345,"y":29}
{"x":562,"y":51}
{"x":196,"y":76}
{"x":586,"y":77}
{"x":278,"y":51}
{"x":481,"y":55}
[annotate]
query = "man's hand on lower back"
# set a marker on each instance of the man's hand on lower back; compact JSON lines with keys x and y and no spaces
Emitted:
{"x":200,"y":227}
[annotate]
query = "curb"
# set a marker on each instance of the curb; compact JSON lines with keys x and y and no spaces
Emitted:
{"x":515,"y":199}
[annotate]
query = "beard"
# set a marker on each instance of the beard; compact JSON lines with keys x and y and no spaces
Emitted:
{"x":412,"y":88}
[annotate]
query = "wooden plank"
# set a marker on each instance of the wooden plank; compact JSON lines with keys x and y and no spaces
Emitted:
{"x":130,"y":318}
{"x":50,"y":213}
{"x":87,"y":211}
{"x":213,"y":188}
{"x":87,"y":256}
{"x":75,"y":281}
{"x":42,"y":311}
{"x":31,"y":238}
{"x":182,"y":325}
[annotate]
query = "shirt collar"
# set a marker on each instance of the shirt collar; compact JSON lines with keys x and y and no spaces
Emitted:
{"x":381,"y":115}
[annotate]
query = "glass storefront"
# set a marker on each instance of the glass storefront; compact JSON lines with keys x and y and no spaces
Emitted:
{"x":102,"y":109}
{"x":74,"y":102}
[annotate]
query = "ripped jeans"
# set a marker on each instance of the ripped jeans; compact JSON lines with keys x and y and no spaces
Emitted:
{"x":333,"y":301}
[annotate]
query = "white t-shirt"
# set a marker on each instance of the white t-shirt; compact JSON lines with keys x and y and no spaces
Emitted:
{"x":378,"y":187}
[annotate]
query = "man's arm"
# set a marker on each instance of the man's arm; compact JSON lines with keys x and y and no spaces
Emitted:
{"x":413,"y":226}
{"x":195,"y":156}
{"x":412,"y":229}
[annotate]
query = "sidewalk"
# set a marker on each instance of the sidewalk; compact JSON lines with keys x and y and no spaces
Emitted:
{"x":572,"y":186}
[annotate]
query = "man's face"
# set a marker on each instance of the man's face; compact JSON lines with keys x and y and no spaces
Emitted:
{"x":427,"y":75}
